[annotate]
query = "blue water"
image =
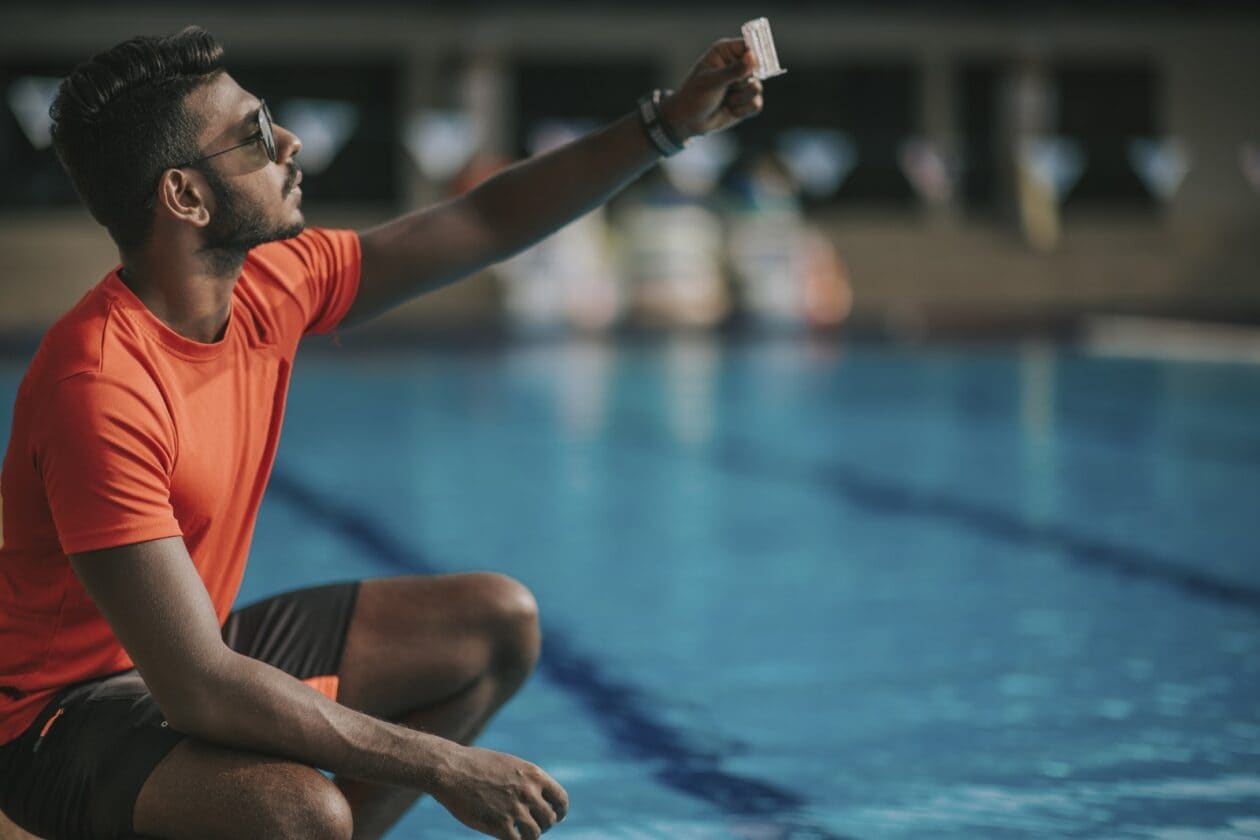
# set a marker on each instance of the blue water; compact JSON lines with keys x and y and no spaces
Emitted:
{"x":799,"y":590}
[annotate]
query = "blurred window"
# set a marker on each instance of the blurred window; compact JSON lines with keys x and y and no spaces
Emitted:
{"x":29,"y":171}
{"x":348,"y":112}
{"x":979,"y":124}
{"x":874,"y":104}
{"x":573,"y":91}
{"x":352,"y":126}
{"x":1105,"y":107}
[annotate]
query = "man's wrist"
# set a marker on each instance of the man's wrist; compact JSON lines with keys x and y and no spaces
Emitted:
{"x":391,"y":753}
{"x":671,"y":120}
{"x":433,"y":759}
{"x":663,"y":135}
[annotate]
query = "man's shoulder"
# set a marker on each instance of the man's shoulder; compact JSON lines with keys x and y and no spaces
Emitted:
{"x":91,"y":343}
{"x":293,"y":281}
{"x":74,"y":344}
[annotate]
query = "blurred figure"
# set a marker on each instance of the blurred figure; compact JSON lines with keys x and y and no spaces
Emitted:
{"x":787,"y":273}
{"x":1045,"y":166}
{"x":828,"y":294}
{"x":673,"y":258}
{"x":570,"y":278}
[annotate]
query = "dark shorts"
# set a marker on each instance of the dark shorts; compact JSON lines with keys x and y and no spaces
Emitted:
{"x":76,"y":772}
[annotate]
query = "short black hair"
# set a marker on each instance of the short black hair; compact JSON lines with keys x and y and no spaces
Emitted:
{"x":119,"y":120}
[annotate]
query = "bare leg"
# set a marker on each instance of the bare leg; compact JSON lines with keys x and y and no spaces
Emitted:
{"x":9,"y":831}
{"x":440,"y":654}
{"x":203,"y":792}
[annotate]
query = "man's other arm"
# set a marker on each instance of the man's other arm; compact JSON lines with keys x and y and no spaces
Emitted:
{"x":432,"y":247}
{"x":158,"y":607}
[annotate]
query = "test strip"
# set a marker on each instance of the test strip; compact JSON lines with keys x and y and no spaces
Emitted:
{"x":758,"y":38}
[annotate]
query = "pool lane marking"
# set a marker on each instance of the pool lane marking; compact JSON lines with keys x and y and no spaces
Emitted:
{"x":890,"y":498}
{"x":621,"y":710}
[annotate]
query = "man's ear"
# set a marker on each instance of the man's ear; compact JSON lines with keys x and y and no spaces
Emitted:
{"x":184,"y":197}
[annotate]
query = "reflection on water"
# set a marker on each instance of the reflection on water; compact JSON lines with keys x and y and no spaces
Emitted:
{"x":690,"y":370}
{"x":1065,"y":809}
{"x":1038,"y":427}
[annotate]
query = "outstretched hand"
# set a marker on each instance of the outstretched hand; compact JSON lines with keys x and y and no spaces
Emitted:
{"x":719,"y":92}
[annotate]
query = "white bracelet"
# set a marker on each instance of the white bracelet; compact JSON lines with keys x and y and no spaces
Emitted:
{"x":654,"y":125}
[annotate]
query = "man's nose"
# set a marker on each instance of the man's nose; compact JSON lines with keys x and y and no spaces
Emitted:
{"x":289,"y":142}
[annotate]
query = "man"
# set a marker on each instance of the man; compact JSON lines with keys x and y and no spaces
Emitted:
{"x":133,"y":701}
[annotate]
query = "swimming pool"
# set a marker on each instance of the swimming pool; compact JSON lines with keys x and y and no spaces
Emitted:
{"x":796,"y":590}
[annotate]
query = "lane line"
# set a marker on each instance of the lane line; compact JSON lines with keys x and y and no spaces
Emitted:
{"x":889,"y":498}
{"x":621,"y":710}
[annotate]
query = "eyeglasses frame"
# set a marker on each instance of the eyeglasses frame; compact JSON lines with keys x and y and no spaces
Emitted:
{"x":264,"y":133}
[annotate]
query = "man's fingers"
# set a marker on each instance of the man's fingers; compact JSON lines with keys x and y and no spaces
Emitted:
{"x":743,"y":93}
{"x":524,"y":826}
{"x":737,"y":68}
{"x":556,"y":797}
{"x":747,"y":109}
{"x":725,"y":51}
{"x":544,"y":815}
{"x":727,"y":60}
{"x":743,"y":100}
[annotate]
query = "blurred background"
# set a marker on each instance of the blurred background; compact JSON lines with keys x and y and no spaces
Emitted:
{"x":883,"y":468}
{"x":923,"y":167}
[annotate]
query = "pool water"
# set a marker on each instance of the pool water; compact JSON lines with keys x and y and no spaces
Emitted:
{"x":803,"y":590}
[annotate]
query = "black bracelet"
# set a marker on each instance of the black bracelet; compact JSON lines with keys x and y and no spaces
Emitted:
{"x":670,"y":134}
{"x":658,"y":131}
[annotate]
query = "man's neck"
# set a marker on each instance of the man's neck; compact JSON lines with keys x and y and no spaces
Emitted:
{"x":193,"y":298}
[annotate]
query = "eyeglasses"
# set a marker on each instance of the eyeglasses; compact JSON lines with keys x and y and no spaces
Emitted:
{"x":264,"y":133}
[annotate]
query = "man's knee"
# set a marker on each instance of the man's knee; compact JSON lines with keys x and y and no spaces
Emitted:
{"x":310,"y":806}
{"x":512,"y":618}
{"x":269,"y":798}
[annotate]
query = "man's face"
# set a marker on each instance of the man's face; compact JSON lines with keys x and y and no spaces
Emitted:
{"x":254,"y":200}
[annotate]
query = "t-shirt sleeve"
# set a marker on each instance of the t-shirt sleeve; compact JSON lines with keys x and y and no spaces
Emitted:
{"x":330,"y":261}
{"x":105,"y":454}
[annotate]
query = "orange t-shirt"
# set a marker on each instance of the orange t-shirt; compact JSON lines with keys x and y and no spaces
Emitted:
{"x":125,"y":431}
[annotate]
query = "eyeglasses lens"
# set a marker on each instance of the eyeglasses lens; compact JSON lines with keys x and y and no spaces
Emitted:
{"x":264,"y":128}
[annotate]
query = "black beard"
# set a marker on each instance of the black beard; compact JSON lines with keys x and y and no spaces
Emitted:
{"x":237,"y":226}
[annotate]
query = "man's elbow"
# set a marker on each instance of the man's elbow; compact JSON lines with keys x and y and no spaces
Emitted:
{"x":190,"y":715}
{"x":198,"y":702}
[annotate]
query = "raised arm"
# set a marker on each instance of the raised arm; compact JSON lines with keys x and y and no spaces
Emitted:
{"x":156,"y":604}
{"x":429,"y":248}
